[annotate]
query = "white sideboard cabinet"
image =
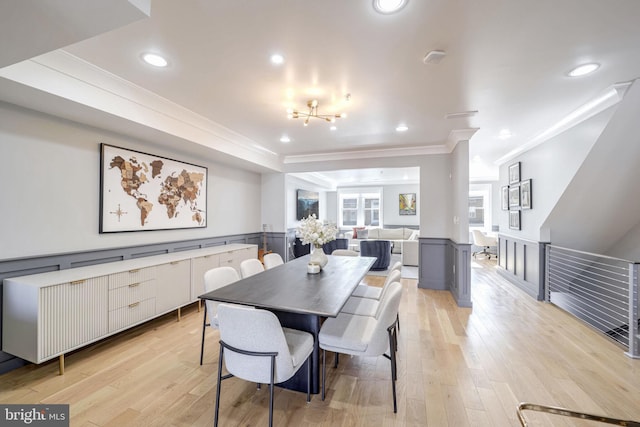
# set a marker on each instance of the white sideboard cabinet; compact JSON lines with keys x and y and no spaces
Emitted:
{"x":49,"y":314}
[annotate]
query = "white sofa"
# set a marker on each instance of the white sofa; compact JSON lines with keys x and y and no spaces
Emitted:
{"x":405,"y":241}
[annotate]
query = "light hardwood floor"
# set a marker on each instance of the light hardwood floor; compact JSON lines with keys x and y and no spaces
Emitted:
{"x":456,"y":367}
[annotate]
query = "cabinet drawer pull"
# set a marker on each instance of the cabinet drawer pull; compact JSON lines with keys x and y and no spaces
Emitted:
{"x":77,"y":282}
{"x":135,"y":304}
{"x":208,"y":256}
{"x":133,"y":285}
{"x":174,"y":262}
{"x":135,"y":270}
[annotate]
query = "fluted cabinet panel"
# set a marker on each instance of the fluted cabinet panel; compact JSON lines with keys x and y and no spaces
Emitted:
{"x":72,"y":314}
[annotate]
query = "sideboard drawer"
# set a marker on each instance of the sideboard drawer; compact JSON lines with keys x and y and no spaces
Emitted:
{"x":130,"y":294}
{"x":131,"y":314}
{"x":129,"y":277}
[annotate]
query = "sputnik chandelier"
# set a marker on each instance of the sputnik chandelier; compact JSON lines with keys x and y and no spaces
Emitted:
{"x":313,"y":113}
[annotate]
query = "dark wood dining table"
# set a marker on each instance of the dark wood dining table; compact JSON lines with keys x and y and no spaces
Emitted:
{"x":300,"y":300}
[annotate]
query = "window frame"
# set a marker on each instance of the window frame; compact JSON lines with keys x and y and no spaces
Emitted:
{"x":361,"y":194}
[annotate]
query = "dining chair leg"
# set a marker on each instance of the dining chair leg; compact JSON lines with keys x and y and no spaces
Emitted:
{"x":336,"y":358}
{"x":204,"y":326}
{"x":324,"y":370}
{"x":308,"y":379}
{"x":215,"y":418}
{"x":272,"y":379}
{"x":394,"y":374}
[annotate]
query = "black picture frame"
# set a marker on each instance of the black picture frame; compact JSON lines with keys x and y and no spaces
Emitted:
{"x":146,"y":192}
{"x":307,"y":204}
{"x":514,"y":197}
{"x":514,"y":220}
{"x":504,"y":192}
{"x":514,"y":173}
{"x":525,"y":194}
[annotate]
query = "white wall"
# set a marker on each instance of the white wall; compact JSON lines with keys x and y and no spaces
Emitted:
{"x":274,"y":202}
{"x":436,"y":195}
{"x":600,"y":208}
{"x":551,"y":166}
{"x":331,"y":199}
{"x":51,"y":189}
{"x":460,"y":200}
{"x":391,"y":207}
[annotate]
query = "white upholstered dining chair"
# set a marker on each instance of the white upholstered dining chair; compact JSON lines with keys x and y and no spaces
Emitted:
{"x":214,"y":279}
{"x":251,"y":266}
{"x":374,"y":292}
{"x":364,"y":335}
{"x":255,"y":347}
{"x":272,"y":260}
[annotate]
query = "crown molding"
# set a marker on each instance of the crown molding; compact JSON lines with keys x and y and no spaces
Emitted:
{"x":367,"y":154}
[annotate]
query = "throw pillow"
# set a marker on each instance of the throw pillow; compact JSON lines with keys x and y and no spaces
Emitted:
{"x":363,"y":233}
{"x":355,"y":232}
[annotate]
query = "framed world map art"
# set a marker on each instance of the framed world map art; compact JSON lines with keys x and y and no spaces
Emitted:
{"x":141,"y":191}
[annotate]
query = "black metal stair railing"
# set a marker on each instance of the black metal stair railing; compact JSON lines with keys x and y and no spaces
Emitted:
{"x":599,"y":290}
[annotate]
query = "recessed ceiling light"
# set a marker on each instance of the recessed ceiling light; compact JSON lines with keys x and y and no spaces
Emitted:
{"x":583,"y":70}
{"x":277,"y":59}
{"x":333,"y":128}
{"x":154,"y":59}
{"x":389,"y":6}
{"x":402,"y":128}
{"x":285,"y":138}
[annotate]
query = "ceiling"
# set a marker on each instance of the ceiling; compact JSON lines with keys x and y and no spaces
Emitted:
{"x":508,"y":60}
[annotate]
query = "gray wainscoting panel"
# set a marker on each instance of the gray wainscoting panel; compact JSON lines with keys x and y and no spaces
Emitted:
{"x":446,"y":265}
{"x":434,"y":267}
{"x":521,"y":262}
{"x":46,"y":263}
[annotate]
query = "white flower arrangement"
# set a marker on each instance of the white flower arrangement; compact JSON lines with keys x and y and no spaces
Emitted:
{"x":313,"y":231}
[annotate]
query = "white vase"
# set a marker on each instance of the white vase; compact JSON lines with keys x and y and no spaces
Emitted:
{"x":318,"y":256}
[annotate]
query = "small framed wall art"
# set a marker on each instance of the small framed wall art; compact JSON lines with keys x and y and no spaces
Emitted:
{"x":514,"y":220}
{"x":504,"y":192}
{"x":514,"y":173}
{"x":525,"y":194}
{"x":514,"y":197}
{"x":407,"y":204}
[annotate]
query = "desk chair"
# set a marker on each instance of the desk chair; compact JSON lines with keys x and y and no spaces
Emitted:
{"x":364,"y":335}
{"x":272,"y":260}
{"x":485,"y":242}
{"x":256,"y":348}
{"x":250,"y":266}
{"x":214,"y":279}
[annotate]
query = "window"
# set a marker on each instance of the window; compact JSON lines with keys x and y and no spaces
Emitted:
{"x":372,"y":211}
{"x":358,"y":209}
{"x":480,"y":207}
{"x":350,"y":211}
{"x":476,"y":211}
